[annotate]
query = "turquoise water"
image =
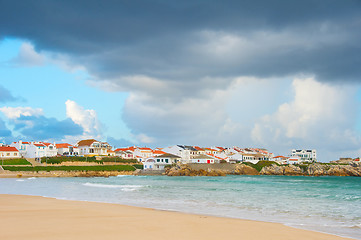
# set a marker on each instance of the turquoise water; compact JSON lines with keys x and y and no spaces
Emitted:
{"x":325,"y":204}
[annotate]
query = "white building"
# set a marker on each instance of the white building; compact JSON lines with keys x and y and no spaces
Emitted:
{"x":35,"y":150}
{"x":9,"y":152}
{"x":21,"y":146}
{"x":67,"y":149}
{"x":304,"y":155}
{"x":149,"y":164}
{"x":203,"y":159}
{"x":181,"y":151}
{"x":124,"y":153}
{"x":92,"y":147}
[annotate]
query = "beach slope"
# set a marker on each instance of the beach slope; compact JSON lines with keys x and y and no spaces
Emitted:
{"x":31,"y":217}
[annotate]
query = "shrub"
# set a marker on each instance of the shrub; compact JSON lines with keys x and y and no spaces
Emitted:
{"x":17,"y":161}
{"x":260,"y":164}
{"x":73,"y":168}
{"x":118,"y":159}
{"x":60,"y":159}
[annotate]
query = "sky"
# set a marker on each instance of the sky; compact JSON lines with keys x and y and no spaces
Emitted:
{"x":280,"y":74}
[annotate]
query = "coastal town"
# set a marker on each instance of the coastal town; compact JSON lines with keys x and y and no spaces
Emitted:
{"x":90,"y":157}
{"x":155,"y":158}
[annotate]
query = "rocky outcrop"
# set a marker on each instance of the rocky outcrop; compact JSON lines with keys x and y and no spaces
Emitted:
{"x":185,"y":170}
{"x":289,"y":170}
{"x":315,"y":169}
{"x":292,"y":170}
{"x":242,"y":169}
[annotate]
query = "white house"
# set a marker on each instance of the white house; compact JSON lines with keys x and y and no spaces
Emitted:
{"x":51,"y":150}
{"x":165,"y":159}
{"x":9,"y":152}
{"x":67,"y":149}
{"x":235,"y":157}
{"x":35,"y":150}
{"x":280,"y":159}
{"x":21,"y":146}
{"x":304,"y":155}
{"x":92,"y":147}
{"x":124,"y":153}
{"x":143,"y":152}
{"x":181,"y":151}
{"x":149,"y":164}
{"x":203,"y":159}
{"x":294,"y":160}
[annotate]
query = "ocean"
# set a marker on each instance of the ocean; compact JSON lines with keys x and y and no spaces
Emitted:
{"x":324,"y":204}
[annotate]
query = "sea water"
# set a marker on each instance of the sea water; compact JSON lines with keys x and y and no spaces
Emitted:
{"x":324,"y":204}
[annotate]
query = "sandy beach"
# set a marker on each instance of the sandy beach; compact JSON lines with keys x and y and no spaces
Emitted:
{"x":31,"y":217}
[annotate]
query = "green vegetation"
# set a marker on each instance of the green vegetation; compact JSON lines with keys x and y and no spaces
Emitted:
{"x":17,"y":161}
{"x":260,"y":164}
{"x":304,"y":167}
{"x":138,"y":166}
{"x":59,"y":160}
{"x":118,"y":159}
{"x":73,"y":168}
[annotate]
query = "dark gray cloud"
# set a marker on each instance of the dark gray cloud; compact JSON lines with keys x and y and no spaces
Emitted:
{"x":161,"y":38}
{"x":5,"y":95}
{"x":43,"y":128}
{"x":178,"y":59}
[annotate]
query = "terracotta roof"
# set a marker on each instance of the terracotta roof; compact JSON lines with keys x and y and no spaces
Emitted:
{"x":87,"y":142}
{"x":280,"y":157}
{"x":198,"y":148}
{"x":145,"y":148}
{"x":39,"y":145}
{"x":8,"y":149}
{"x":46,"y":144}
{"x":158,"y":152}
{"x":23,"y":142}
{"x":63,"y":145}
{"x":124,"y":149}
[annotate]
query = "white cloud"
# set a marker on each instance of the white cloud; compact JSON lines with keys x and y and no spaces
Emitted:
{"x":87,"y":118}
{"x":144,"y":138}
{"x":16,"y":112}
{"x":320,"y":116}
{"x":28,"y":57}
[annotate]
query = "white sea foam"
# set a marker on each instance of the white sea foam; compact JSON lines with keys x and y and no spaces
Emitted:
{"x":32,"y":178}
{"x":126,"y":188}
{"x":20,"y":180}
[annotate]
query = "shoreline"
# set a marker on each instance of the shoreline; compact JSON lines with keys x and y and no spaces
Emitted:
{"x":41,"y":217}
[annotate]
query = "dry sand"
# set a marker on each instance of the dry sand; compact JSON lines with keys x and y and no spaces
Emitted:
{"x":30,"y":217}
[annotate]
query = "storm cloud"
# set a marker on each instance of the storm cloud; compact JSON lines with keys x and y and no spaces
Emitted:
{"x":189,"y":40}
{"x":181,"y":61}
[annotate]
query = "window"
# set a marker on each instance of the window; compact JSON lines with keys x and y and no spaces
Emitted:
{"x":166,"y":160}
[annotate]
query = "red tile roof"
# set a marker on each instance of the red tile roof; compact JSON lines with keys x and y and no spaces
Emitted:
{"x":8,"y":149}
{"x":63,"y":145}
{"x":158,"y":152}
{"x":198,"y":148}
{"x":39,"y":145}
{"x":145,"y":148}
{"x":87,"y":142}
